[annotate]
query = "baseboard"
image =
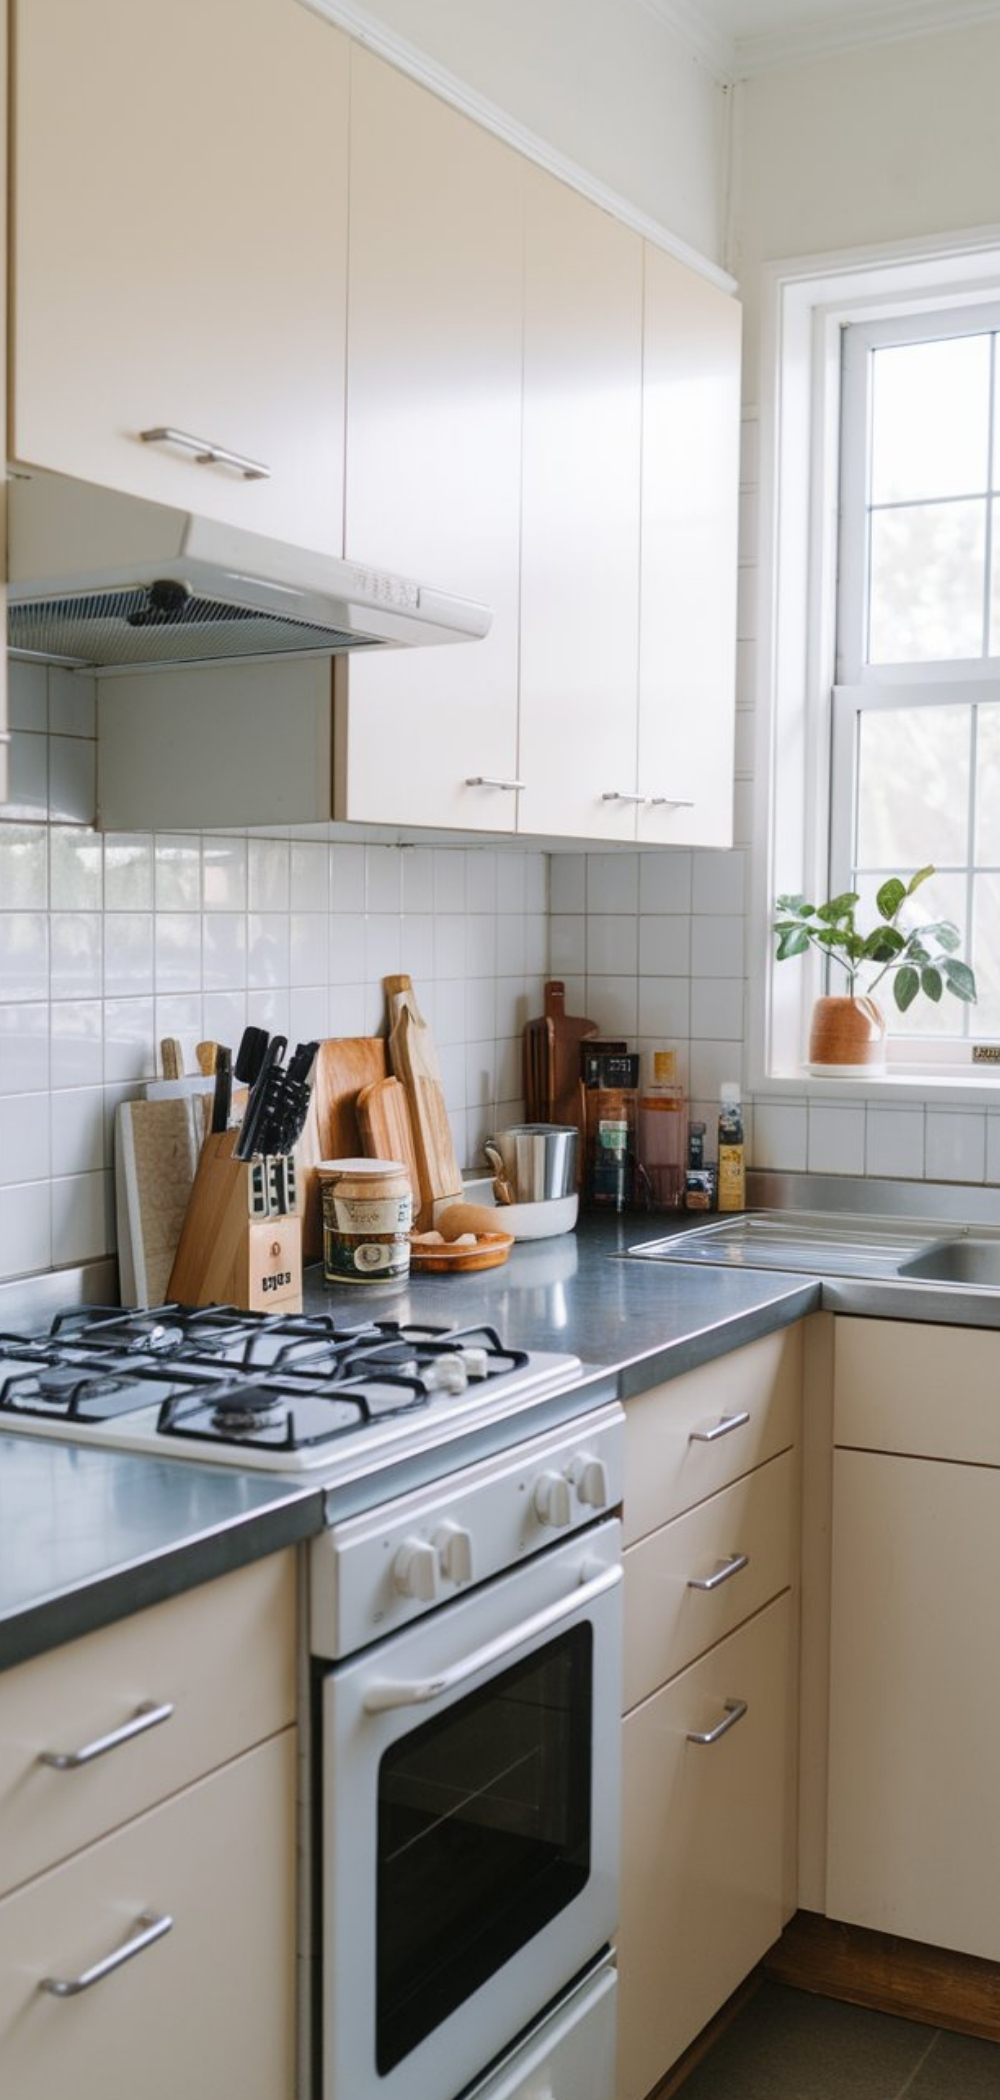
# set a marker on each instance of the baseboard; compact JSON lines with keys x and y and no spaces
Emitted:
{"x":956,"y":1991}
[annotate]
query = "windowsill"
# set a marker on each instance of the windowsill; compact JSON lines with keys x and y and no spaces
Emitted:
{"x":944,"y":1084}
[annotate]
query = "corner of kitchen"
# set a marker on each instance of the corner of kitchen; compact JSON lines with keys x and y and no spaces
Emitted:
{"x":497,"y":1516}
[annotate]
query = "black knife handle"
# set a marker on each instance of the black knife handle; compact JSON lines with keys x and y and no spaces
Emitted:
{"x":222,"y":1098}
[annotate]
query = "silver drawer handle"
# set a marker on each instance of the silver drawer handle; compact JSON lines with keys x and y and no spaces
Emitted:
{"x":735,"y":1710}
{"x":385,"y":1693}
{"x":729,"y":1567}
{"x":207,"y":454}
{"x":723,"y":1428}
{"x":484,"y":780}
{"x":150,"y":1928}
{"x":614,"y":795}
{"x":668,"y":802}
{"x":148,"y":1716}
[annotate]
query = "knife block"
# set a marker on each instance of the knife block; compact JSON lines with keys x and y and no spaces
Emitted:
{"x":229,"y":1253}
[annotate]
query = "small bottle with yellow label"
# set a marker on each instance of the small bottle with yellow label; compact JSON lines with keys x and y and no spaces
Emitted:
{"x":732,"y":1166}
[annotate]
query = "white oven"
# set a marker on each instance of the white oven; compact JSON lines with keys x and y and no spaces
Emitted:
{"x":468,"y":1694}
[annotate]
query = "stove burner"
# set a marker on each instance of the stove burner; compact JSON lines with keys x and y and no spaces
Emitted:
{"x":241,"y":1410}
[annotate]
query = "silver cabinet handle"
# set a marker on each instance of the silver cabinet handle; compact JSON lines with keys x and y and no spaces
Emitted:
{"x":385,"y":1693}
{"x":148,"y":1716}
{"x":150,"y":1928}
{"x":483,"y":780}
{"x":206,"y":453}
{"x":723,"y":1428}
{"x":615,"y":795}
{"x":668,"y":802}
{"x":729,"y":1567}
{"x":734,"y":1711}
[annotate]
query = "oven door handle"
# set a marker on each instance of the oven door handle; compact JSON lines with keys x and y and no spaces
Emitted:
{"x":385,"y":1693}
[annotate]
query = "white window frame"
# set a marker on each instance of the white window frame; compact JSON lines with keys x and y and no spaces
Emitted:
{"x":805,"y":305}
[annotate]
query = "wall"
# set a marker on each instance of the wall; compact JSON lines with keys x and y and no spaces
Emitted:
{"x":109,"y":943}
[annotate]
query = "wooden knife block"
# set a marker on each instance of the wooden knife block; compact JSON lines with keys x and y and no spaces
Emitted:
{"x":226,"y":1255}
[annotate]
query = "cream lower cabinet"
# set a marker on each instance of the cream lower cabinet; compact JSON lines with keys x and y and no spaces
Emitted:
{"x":711,"y":1622}
{"x":178,"y":254}
{"x":913,"y":1839}
{"x":148,"y":1852}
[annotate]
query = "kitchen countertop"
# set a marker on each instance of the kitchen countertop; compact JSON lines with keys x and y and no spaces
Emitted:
{"x":89,"y":1535}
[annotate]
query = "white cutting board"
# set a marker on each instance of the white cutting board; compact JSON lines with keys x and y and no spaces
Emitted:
{"x":156,"y":1152}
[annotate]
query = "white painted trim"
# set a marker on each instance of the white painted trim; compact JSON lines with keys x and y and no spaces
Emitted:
{"x":827,"y":36}
{"x":703,"y":38}
{"x":366,"y":29}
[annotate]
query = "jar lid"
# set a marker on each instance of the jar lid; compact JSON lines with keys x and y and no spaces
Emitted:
{"x":333,"y":1167}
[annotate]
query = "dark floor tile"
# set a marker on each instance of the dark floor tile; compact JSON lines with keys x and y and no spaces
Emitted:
{"x":958,"y":2068}
{"x":792,"y":2045}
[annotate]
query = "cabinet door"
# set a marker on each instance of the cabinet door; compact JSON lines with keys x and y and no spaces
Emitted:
{"x":690,"y":485}
{"x":580,"y":516}
{"x":433,"y":450}
{"x":688,"y":1438}
{"x":913,"y":1836}
{"x":179,"y":252}
{"x":208,"y":2008}
{"x":707,"y":1845}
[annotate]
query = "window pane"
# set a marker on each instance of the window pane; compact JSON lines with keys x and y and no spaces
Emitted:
{"x":927,"y":578}
{"x":993,"y":645}
{"x":988,"y":788}
{"x":913,"y":788}
{"x":985,"y":958}
{"x":930,"y":419}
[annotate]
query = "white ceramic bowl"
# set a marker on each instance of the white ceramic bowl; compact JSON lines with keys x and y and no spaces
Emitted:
{"x":527,"y":1221}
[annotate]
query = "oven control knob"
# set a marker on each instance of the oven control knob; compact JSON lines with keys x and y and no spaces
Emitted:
{"x":454,"y":1545}
{"x":552,"y":1500}
{"x":589,"y":1476}
{"x":415,"y":1570}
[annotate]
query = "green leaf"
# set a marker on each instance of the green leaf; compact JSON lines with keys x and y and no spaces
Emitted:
{"x":797,"y":904}
{"x":932,"y":983}
{"x":960,"y":980}
{"x":890,"y":897}
{"x":791,"y":941}
{"x":838,"y":907}
{"x":906,"y":985}
{"x":945,"y":933}
{"x":916,"y":880}
{"x":884,"y":943}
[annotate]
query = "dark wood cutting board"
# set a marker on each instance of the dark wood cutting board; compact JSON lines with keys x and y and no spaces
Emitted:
{"x":567,"y":1033}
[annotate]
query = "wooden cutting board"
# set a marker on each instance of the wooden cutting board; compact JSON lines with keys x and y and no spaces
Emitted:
{"x":157,"y":1146}
{"x":345,"y":1066}
{"x":386,"y":1130}
{"x":568,"y":1032}
{"x":414,"y":1061}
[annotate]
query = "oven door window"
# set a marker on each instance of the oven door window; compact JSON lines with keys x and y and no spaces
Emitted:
{"x":484,"y":1835}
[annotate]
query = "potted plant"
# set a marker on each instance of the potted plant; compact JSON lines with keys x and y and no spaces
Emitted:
{"x":848,"y":1030}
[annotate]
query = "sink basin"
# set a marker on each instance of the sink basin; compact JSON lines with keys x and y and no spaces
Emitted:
{"x":814,"y":1243}
{"x":963,"y":1260}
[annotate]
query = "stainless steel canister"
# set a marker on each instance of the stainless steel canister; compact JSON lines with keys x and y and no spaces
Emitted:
{"x":538,"y":1160}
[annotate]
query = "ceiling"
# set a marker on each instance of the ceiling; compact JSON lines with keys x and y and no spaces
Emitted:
{"x":740,"y":37}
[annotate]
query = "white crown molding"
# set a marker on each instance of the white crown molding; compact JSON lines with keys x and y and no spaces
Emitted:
{"x":829,"y":35}
{"x":366,"y":29}
{"x":701,"y":35}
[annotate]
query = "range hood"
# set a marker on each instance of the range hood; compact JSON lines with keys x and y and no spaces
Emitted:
{"x":105,"y":582}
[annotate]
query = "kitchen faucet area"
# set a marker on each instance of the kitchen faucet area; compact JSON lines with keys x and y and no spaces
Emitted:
{"x":498,"y":1332}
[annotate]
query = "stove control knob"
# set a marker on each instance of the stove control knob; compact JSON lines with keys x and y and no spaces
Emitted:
{"x":415,"y":1570}
{"x":454,"y":1545}
{"x":552,"y":1500}
{"x":589,"y":1476}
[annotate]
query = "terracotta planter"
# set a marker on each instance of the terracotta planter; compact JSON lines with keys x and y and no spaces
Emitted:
{"x":847,"y":1034}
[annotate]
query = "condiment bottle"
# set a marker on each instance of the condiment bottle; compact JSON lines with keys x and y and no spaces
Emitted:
{"x":732,"y":1167}
{"x":662,"y":1136}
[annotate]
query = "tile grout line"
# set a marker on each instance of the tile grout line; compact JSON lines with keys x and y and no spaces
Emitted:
{"x":907,"y":2086}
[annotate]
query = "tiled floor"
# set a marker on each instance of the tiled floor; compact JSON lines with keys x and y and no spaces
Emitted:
{"x":790,"y":2045}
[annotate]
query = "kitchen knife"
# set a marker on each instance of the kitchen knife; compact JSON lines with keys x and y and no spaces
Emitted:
{"x":247,"y":1142}
{"x":222,"y":1098}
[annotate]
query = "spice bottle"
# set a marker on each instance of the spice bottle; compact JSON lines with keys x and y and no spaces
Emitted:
{"x":732,"y":1167}
{"x":699,"y":1181}
{"x":662,"y":1134}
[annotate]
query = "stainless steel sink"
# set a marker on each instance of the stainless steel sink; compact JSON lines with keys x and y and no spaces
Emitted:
{"x":963,"y":1260}
{"x":821,"y":1244}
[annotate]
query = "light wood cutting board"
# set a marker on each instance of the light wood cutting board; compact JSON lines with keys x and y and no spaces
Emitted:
{"x":157,"y":1145}
{"x":387,"y":1132}
{"x":345,"y":1065}
{"x":414,"y":1061}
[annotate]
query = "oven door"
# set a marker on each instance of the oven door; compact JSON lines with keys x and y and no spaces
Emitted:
{"x":469,"y":1785}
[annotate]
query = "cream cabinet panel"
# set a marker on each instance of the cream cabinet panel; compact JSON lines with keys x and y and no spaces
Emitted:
{"x":690,"y":488}
{"x":179,"y":252}
{"x":217,"y":1664}
{"x":580,"y":516}
{"x":927,"y":1391}
{"x":433,"y":450}
{"x":688,"y":1438}
{"x":706,"y":1863}
{"x":690,"y":1583}
{"x":206,"y":2008}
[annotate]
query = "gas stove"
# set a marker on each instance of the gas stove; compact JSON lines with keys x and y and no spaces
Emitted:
{"x":285,"y":1392}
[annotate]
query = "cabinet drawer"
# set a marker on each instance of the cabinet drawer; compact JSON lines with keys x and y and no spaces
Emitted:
{"x":667,"y":1621}
{"x":571,"y":2056}
{"x":222,"y":1657}
{"x":927,"y":1391}
{"x":707,"y":1843}
{"x":678,"y":1447}
{"x":207,"y":2008}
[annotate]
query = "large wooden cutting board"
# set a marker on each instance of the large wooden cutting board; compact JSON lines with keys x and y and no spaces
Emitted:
{"x":157,"y":1146}
{"x":344,"y":1066}
{"x":386,"y":1129}
{"x":414,"y":1061}
{"x":568,"y":1032}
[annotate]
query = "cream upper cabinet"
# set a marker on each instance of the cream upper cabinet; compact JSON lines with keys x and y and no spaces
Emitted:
{"x":687,"y":625}
{"x":433,"y":450}
{"x":580,"y":516}
{"x":179,"y":254}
